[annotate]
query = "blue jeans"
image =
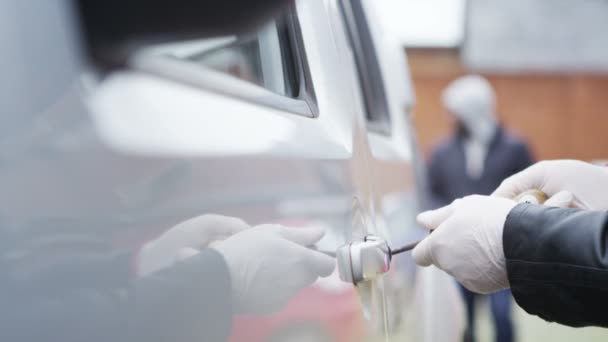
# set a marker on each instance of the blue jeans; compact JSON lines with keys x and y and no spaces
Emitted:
{"x":500,"y":304}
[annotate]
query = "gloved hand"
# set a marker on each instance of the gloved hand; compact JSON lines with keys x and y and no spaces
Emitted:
{"x":269,"y":264}
{"x":466,"y":241}
{"x":194,"y":233}
{"x":587,"y":183}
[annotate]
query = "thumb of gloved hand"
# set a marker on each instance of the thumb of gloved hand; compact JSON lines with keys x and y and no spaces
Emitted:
{"x":587,"y":183}
{"x":466,"y":242}
{"x":186,"y":253}
{"x":195,"y":233}
{"x":269,"y":264}
{"x":562,"y":199}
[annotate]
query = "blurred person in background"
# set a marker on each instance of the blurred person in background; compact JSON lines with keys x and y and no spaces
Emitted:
{"x":475,"y":160}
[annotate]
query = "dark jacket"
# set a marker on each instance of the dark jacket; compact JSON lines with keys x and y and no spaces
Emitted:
{"x":448,"y":178}
{"x":96,"y":299}
{"x":557,"y":263}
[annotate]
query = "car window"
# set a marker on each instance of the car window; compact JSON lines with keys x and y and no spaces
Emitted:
{"x":240,"y":59}
{"x":272,"y":58}
{"x":368,"y":69}
{"x":260,"y":59}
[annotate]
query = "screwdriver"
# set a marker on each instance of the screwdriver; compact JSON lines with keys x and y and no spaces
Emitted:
{"x":530,"y":196}
{"x":363,"y":260}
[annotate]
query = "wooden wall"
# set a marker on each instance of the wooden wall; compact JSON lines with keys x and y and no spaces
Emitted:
{"x":560,"y":115}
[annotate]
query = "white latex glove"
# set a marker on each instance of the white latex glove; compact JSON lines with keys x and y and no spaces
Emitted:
{"x":466,"y":241}
{"x":587,"y":183}
{"x":184,"y":238}
{"x":269,"y":264}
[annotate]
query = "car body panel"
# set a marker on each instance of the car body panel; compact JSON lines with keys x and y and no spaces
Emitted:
{"x":165,"y":141}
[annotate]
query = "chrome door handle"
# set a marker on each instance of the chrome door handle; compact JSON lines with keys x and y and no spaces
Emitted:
{"x":363,"y":260}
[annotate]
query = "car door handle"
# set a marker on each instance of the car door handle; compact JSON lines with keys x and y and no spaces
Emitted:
{"x":363,"y":260}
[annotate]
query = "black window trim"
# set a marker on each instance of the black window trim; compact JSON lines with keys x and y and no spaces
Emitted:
{"x":304,"y":103}
{"x":306,"y":91}
{"x":368,"y":68}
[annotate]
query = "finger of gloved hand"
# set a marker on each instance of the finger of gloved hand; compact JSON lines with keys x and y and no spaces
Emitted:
{"x":433,"y":218}
{"x":320,"y":264}
{"x":528,"y":179}
{"x":215,"y":243}
{"x":298,"y":280}
{"x":422,"y":252}
{"x":213,"y":224}
{"x":205,"y":228}
{"x":562,"y":199}
{"x":302,"y":236}
{"x":186,"y":253}
{"x":274,"y":300}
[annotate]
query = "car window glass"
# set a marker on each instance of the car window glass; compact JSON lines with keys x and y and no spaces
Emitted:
{"x":264,"y":58}
{"x":368,"y":69}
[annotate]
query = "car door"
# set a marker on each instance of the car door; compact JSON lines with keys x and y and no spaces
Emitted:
{"x":289,"y":125}
{"x":385,"y":84}
{"x":300,"y":123}
{"x":266,"y":127}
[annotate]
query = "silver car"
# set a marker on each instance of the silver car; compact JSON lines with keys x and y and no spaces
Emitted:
{"x":305,"y":123}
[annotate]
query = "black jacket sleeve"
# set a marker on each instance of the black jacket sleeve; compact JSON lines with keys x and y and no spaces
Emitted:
{"x":190,"y":301}
{"x":557,"y":263}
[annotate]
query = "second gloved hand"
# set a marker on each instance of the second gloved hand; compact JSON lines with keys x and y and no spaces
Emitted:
{"x":588,"y":183}
{"x":184,"y":239}
{"x":466,"y":241}
{"x":269,"y":264}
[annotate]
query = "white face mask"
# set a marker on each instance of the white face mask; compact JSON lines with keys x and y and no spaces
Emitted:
{"x":475,"y":156}
{"x":481,"y":129}
{"x":471,"y":100}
